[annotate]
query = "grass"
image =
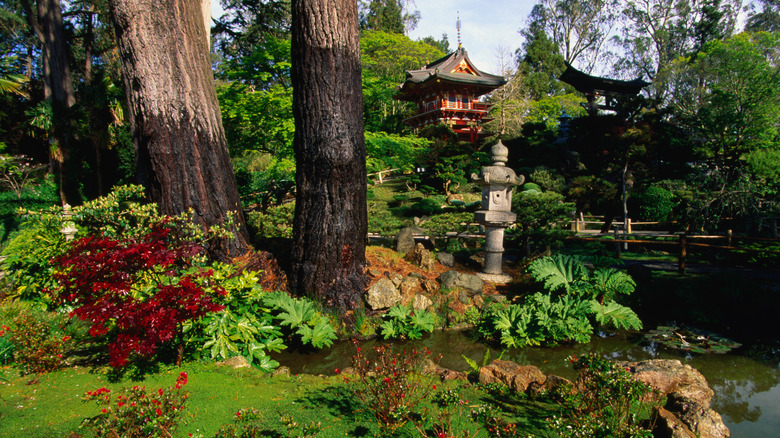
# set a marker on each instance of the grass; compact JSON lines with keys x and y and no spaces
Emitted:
{"x":53,"y":407}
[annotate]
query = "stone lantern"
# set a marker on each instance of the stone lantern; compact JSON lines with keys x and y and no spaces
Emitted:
{"x":497,"y":182}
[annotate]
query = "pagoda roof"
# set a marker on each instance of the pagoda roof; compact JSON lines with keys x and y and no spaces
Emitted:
{"x":454,"y":68}
{"x":585,"y":83}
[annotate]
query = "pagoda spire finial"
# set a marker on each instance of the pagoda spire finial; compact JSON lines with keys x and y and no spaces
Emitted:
{"x":457,"y":25}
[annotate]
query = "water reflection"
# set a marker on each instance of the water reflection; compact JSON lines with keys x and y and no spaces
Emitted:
{"x":747,"y":391}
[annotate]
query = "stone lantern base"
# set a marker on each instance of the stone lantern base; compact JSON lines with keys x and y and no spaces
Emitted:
{"x":495,"y":278}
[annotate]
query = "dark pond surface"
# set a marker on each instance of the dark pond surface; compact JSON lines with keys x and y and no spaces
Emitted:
{"x":747,"y":391}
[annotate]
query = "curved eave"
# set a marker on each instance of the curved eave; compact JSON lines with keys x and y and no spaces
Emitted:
{"x":585,"y":83}
{"x":483,"y":85}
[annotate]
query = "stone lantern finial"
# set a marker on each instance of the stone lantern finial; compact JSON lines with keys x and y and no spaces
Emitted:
{"x":500,"y":154}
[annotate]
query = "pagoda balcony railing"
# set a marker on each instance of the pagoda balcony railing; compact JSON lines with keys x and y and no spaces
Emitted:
{"x":474,"y":105}
{"x":477,"y":108}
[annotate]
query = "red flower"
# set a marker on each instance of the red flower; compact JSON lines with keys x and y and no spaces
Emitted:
{"x":104,"y":410}
{"x":434,"y":387}
{"x":337,"y":370}
{"x":387,"y":380}
{"x":160,"y":391}
{"x":158,"y":411}
{"x":65,"y":338}
{"x":120,"y":404}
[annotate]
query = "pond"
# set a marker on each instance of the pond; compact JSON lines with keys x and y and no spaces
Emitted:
{"x":747,"y":390}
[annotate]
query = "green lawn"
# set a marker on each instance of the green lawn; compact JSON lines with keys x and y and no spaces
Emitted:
{"x":53,"y":406}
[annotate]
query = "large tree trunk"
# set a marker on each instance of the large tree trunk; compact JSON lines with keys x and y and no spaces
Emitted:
{"x":330,"y":216}
{"x":46,"y":21}
{"x":181,"y":150}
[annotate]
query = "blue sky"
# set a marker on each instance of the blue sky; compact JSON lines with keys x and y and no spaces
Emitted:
{"x":485,"y":25}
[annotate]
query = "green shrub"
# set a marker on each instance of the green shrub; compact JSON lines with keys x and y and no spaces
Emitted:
{"x":656,"y":204}
{"x":302,"y":317}
{"x":275,"y":222}
{"x":573,"y":298}
{"x":609,"y":402}
{"x":38,"y":342}
{"x":441,"y":224}
{"x":403,"y":322}
{"x":28,"y":271}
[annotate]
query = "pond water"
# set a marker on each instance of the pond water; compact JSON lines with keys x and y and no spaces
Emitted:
{"x":747,"y":391}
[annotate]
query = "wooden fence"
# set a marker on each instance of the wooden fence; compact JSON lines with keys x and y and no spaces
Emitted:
{"x":681,"y":243}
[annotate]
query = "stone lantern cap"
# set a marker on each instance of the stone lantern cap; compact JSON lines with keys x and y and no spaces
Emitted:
{"x":498,"y":173}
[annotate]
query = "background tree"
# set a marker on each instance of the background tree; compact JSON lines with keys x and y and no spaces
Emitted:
{"x":579,"y":28}
{"x":509,"y":101}
{"x":768,"y":19}
{"x":180,"y":145}
{"x":384,"y":58}
{"x":382,"y":15}
{"x":330,"y":214}
{"x":46,"y":21}
{"x":655,"y":32}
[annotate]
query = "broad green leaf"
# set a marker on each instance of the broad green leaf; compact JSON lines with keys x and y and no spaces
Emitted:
{"x":615,"y":315}
{"x":558,"y":271}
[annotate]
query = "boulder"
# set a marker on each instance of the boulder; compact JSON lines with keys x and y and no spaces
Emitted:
{"x":409,"y":287}
{"x":419,"y":256}
{"x":455,"y":280}
{"x":551,"y":383}
{"x":282,"y":371}
{"x":236,"y":362}
{"x":667,"y":425}
{"x":404,"y":240}
{"x":382,"y":295}
{"x":446,"y":259}
{"x":672,"y":377}
{"x":687,"y":393}
{"x":421,"y":302}
{"x":431,"y":367}
{"x":517,"y":377}
{"x":430,"y":286}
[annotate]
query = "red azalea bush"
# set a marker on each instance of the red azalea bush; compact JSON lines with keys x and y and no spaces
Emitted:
{"x":134,"y":412}
{"x":138,"y":290}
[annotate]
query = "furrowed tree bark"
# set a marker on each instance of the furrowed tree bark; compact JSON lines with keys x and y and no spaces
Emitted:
{"x":181,"y":150}
{"x":330,"y":226}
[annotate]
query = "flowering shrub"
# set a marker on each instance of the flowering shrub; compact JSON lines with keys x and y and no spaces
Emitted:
{"x":6,"y":347}
{"x":137,"y":413}
{"x":35,"y":347}
{"x":137,"y":290}
{"x":391,"y":384}
{"x":608,"y":401}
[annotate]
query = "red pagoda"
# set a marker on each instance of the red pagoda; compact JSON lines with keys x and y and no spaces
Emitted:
{"x":447,"y":91}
